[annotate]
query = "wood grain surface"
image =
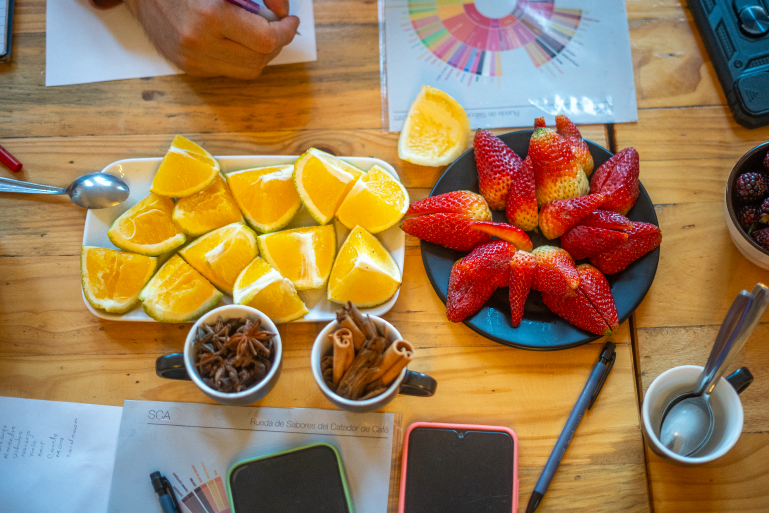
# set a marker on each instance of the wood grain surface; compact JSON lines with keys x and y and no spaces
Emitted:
{"x":51,"y":347}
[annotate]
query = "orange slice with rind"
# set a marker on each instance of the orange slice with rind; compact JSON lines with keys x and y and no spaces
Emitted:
{"x":147,"y":228}
{"x":303,"y":255}
{"x":262,"y":287}
{"x":112,"y":280}
{"x":266,"y":196}
{"x":376,"y":202}
{"x":207,"y":210}
{"x":364,"y":272}
{"x":178,"y":293}
{"x":436,"y":130}
{"x":220,"y":255}
{"x":186,"y":169}
{"x":322,"y":182}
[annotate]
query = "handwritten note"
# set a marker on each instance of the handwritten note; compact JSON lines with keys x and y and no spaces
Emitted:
{"x":56,"y":456}
{"x":194,"y":445}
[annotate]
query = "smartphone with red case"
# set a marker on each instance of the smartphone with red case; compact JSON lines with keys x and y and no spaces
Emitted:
{"x":458,"y":468}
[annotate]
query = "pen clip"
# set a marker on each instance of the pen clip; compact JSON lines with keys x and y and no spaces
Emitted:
{"x":170,"y":490}
{"x":609,"y":365}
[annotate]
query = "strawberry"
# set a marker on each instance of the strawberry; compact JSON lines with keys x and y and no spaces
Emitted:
{"x":539,"y":122}
{"x":497,"y":164}
{"x":569,"y":131}
{"x":642,"y":238}
{"x":506,"y":232}
{"x":584,"y":241}
{"x":557,"y":216}
{"x":453,"y":231}
{"x":474,"y":278}
{"x":523,"y":267}
{"x":456,"y":202}
{"x":557,"y":173}
{"x":618,"y":178}
{"x":556,"y":273}
{"x":521,"y":207}
{"x":607,"y":219}
{"x":595,"y":287}
{"x":578,"y":311}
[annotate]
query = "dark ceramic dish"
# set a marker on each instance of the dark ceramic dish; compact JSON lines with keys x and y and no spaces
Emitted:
{"x":540,"y":329}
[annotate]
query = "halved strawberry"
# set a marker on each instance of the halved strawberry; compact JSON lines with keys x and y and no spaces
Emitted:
{"x":578,"y":311}
{"x":506,"y":232}
{"x":607,"y":219}
{"x":618,"y":178}
{"x":474,"y":279}
{"x":584,"y":241}
{"x":453,"y":231}
{"x":456,"y":202}
{"x":521,"y":207}
{"x":642,"y":238}
{"x":557,"y":216}
{"x":557,"y":173}
{"x":595,"y":287}
{"x":569,"y":131}
{"x":523,"y":267}
{"x":556,"y":273}
{"x":497,"y":164}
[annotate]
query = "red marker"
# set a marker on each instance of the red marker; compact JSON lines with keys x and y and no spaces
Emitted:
{"x":9,"y":160}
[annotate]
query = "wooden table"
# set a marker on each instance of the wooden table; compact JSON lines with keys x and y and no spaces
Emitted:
{"x":52,"y":348}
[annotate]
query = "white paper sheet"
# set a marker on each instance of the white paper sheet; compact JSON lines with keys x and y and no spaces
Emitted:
{"x":508,"y":62}
{"x":194,"y":446}
{"x":85,"y":45}
{"x":56,"y":456}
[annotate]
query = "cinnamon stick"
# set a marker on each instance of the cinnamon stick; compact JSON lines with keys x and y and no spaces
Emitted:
{"x":344,"y":353}
{"x":397,"y":356}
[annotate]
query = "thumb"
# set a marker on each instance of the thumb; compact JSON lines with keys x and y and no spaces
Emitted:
{"x":285,"y":29}
{"x":279,"y":7}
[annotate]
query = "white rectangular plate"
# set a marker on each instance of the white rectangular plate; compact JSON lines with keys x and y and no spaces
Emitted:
{"x":138,"y":174}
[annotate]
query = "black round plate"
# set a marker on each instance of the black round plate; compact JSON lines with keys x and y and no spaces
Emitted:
{"x":540,"y":329}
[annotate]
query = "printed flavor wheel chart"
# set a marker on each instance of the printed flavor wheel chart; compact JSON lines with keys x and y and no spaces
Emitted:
{"x":470,"y":35}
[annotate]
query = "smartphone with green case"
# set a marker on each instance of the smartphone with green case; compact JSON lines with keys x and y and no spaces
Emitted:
{"x":308,"y":479}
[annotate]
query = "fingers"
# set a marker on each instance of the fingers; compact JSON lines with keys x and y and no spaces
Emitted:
{"x":279,"y":7}
{"x":256,"y":33}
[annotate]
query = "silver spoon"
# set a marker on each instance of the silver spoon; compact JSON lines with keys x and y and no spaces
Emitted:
{"x":94,"y":190}
{"x":688,"y":421}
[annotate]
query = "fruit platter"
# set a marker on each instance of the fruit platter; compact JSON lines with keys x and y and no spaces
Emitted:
{"x":265,"y":249}
{"x":627,"y":265}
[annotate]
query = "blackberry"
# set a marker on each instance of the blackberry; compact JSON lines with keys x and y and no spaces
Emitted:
{"x":749,"y":214}
{"x":751,"y":186}
{"x":766,"y":162}
{"x":764,"y":212}
{"x":762,"y":238}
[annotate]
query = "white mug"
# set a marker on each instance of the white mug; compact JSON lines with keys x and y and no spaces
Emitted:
{"x":182,"y":365}
{"x":725,"y":401}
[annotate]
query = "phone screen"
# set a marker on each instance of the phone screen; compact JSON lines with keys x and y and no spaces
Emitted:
{"x":307,"y":480}
{"x":459,"y":471}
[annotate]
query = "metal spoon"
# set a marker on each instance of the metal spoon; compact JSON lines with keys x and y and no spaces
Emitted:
{"x":688,"y":421}
{"x":94,"y":190}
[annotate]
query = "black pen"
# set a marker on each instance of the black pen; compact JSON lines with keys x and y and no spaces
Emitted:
{"x":584,"y":402}
{"x":165,"y":493}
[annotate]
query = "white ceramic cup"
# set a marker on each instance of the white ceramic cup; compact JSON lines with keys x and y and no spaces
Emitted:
{"x":725,"y":401}
{"x":181,"y":365}
{"x":408,"y":382}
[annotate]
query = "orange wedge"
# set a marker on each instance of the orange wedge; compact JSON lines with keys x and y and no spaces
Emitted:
{"x":112,"y":280}
{"x":147,"y":228}
{"x":323,"y":181}
{"x":376,"y":202}
{"x":222,"y":254}
{"x":303,"y":255}
{"x":211,"y":208}
{"x":262,"y":287}
{"x":266,"y":195}
{"x":178,"y":293}
{"x":186,"y":169}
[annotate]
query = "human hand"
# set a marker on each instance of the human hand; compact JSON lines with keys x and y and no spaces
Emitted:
{"x":209,"y":38}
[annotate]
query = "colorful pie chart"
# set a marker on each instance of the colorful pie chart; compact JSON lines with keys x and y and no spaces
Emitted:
{"x":470,"y":35}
